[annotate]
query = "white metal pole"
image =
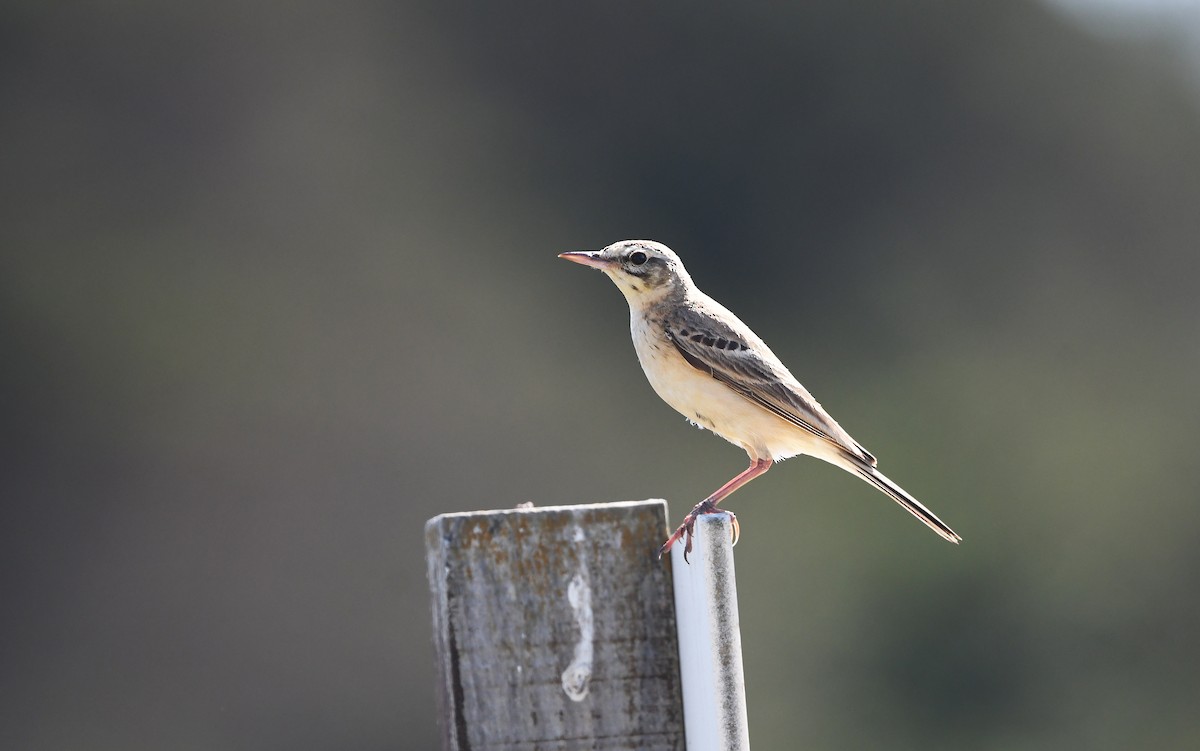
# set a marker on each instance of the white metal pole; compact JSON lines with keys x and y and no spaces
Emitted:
{"x":710,"y":640}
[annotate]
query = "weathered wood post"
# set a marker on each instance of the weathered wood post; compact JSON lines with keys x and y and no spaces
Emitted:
{"x":555,"y":628}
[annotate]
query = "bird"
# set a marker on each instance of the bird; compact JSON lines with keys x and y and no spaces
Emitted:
{"x":710,"y":367}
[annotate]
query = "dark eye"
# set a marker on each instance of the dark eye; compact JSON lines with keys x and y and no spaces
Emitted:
{"x":637,"y":258}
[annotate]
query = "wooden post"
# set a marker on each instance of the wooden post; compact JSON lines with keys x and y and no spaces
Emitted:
{"x":554,"y":628}
{"x":710,"y":639}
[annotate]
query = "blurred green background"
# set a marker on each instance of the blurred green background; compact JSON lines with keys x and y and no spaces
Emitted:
{"x":278,"y":284}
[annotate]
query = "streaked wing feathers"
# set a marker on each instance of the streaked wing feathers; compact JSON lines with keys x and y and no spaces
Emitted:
{"x":715,"y":348}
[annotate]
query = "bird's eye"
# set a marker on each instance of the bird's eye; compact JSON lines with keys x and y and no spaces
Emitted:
{"x":637,"y":258}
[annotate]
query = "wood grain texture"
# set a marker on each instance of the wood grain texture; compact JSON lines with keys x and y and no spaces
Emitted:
{"x":554,"y":629}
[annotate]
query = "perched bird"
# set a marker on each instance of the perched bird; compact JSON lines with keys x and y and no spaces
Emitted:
{"x":714,"y":370}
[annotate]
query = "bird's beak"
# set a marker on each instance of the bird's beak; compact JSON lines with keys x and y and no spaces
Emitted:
{"x":587,"y":258}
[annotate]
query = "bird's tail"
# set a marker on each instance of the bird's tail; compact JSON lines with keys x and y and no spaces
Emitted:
{"x":899,"y":495}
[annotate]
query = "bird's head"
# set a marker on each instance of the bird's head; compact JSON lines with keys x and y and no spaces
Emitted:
{"x":645,"y":271}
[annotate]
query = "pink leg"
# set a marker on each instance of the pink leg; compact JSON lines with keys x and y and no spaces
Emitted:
{"x":754,"y":470}
{"x":709,"y":505}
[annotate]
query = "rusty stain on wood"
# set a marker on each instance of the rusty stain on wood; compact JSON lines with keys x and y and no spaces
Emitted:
{"x":554,"y":628}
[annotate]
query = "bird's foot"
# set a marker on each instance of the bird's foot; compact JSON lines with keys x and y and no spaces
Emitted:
{"x":689,"y":523}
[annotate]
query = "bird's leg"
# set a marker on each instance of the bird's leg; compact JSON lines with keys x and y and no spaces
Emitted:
{"x":709,"y":506}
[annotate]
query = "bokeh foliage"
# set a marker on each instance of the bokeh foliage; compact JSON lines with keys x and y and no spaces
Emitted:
{"x":278,"y":284}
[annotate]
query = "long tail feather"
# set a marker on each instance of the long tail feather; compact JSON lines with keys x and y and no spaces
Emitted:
{"x":899,"y":495}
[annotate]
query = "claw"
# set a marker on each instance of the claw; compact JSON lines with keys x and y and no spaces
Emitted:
{"x":666,"y":548}
{"x":686,"y":529}
{"x":758,"y":465}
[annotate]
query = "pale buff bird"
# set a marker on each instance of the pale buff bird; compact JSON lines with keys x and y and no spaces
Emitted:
{"x":715,"y":371}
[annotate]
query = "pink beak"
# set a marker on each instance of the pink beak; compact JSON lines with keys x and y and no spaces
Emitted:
{"x":587,"y":258}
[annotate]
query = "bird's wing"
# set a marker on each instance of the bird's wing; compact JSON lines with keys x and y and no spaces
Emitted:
{"x":743,"y":362}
